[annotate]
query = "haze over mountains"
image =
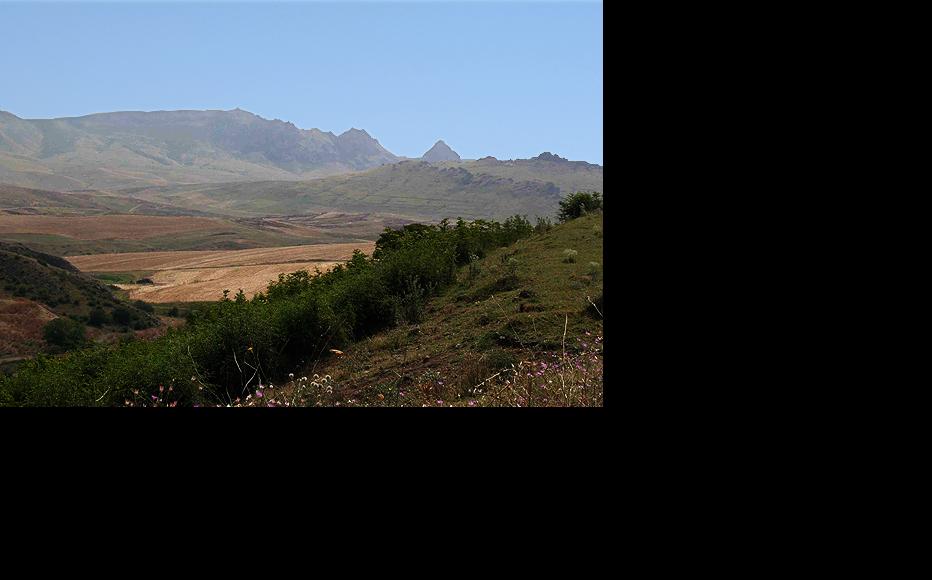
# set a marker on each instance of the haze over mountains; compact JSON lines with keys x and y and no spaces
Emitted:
{"x":122,"y":149}
{"x":237,"y":164}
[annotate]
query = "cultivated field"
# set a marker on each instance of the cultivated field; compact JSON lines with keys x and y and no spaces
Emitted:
{"x":190,"y":276}
{"x":106,"y":227}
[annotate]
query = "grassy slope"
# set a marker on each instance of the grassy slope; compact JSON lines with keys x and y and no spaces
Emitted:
{"x":471,"y":331}
{"x":56,"y":284}
{"x":414,"y":189}
{"x":58,"y":287}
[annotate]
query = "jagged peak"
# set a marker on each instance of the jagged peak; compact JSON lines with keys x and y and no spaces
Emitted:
{"x":441,"y":152}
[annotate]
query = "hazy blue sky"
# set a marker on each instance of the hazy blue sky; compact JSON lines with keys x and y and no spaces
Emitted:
{"x":508,"y":79}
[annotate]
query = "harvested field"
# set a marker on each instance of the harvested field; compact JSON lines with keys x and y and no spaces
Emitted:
{"x":106,"y":227}
{"x":208,"y":284}
{"x":203,"y":276}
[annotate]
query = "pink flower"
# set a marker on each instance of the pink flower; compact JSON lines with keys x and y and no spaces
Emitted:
{"x":259,"y":394}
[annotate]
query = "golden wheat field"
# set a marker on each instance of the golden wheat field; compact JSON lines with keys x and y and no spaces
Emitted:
{"x":190,"y":276}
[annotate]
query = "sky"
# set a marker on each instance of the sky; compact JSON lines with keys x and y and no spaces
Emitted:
{"x":507,"y":79}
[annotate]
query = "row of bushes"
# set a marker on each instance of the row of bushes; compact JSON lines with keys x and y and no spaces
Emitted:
{"x":231,"y":346}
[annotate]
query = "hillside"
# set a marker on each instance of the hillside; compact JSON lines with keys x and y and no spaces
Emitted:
{"x":480,"y":327}
{"x":36,"y":288}
{"x":567,"y":175}
{"x":483,"y":314}
{"x":125,"y":149}
{"x":413,"y":189}
{"x":29,"y":201}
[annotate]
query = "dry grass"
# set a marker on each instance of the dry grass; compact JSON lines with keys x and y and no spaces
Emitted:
{"x":191,"y":276}
{"x":180,"y":260}
{"x":21,"y":323}
{"x":207,"y":284}
{"x":106,"y":227}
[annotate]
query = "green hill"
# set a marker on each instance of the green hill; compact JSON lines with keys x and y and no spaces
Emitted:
{"x":56,"y":284}
{"x":482,"y":326}
{"x":413,"y":189}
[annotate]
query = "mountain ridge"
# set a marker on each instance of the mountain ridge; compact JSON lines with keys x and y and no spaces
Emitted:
{"x":127,"y":148}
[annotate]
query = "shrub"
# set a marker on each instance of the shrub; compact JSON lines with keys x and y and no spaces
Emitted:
{"x":511,"y":267}
{"x":122,"y":316}
{"x":569,"y":256}
{"x":409,"y":306}
{"x":579,"y":204}
{"x":64,"y":334}
{"x":594,"y":270}
{"x":473,"y":266}
{"x":144,"y":306}
{"x":98,"y":317}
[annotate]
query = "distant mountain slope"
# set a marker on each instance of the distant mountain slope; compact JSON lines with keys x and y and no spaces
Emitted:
{"x":569,"y":176}
{"x":123,"y":149}
{"x":440,"y":152}
{"x":28,"y":201}
{"x":414,"y":189}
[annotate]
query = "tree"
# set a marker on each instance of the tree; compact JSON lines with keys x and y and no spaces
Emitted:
{"x":64,"y":334}
{"x":578,"y":204}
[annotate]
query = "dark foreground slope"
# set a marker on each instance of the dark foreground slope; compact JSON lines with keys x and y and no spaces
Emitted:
{"x":36,"y":288}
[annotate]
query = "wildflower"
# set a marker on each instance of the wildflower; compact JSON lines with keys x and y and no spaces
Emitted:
{"x":290,"y":375}
{"x":259,"y":394}
{"x":173,"y":403}
{"x":249,"y":349}
{"x":161,"y":388}
{"x":381,"y":397}
{"x":439,"y":402}
{"x":336,"y":352}
{"x":472,"y":403}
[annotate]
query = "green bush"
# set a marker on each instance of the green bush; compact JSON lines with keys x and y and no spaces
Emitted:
{"x":98,"y":317}
{"x":64,"y":334}
{"x":578,"y":204}
{"x":569,"y":256}
{"x":122,"y":316}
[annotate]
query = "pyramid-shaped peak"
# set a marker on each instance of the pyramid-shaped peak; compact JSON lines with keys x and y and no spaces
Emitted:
{"x":441,"y":152}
